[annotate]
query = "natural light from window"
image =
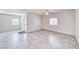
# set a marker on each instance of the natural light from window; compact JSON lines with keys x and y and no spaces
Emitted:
{"x":15,"y":21}
{"x":53,"y":21}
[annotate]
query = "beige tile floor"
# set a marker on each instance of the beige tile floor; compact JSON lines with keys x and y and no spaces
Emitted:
{"x":41,"y":39}
{"x":49,"y":39}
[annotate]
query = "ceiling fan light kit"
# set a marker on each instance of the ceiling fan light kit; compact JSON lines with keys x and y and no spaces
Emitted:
{"x":45,"y":12}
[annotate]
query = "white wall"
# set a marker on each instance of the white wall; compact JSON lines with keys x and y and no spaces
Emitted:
{"x":77,"y":24}
{"x":24,"y":22}
{"x":6,"y":23}
{"x":33,"y":22}
{"x":66,"y":22}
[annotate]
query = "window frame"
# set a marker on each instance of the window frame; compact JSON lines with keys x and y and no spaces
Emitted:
{"x":15,"y":21}
{"x":53,"y":21}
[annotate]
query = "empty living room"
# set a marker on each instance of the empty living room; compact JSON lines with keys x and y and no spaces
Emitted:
{"x":39,"y":28}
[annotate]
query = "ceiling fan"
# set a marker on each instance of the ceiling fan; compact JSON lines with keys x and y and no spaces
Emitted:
{"x":45,"y":12}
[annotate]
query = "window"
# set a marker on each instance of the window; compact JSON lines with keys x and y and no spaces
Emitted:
{"x":15,"y":21}
{"x":53,"y":21}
